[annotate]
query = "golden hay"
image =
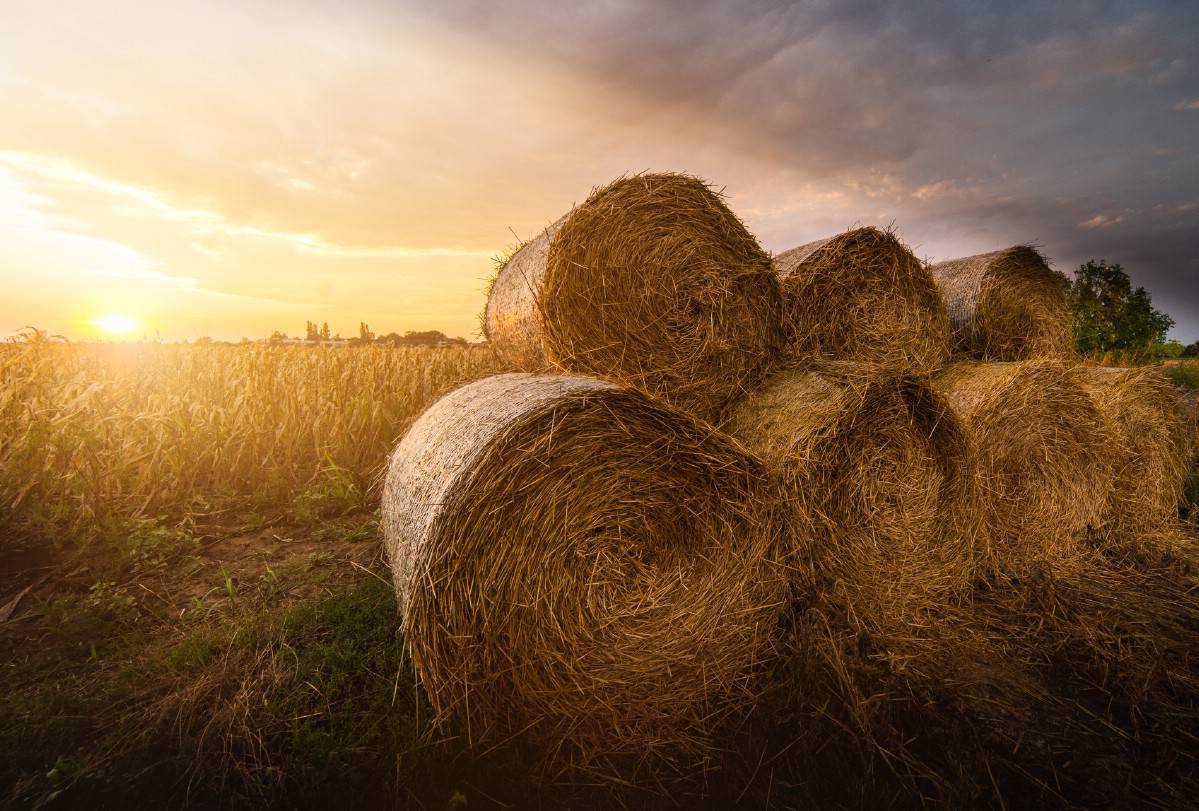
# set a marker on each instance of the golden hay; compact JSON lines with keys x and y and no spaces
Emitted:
{"x":1044,"y":455}
{"x":581,"y":569}
{"x":653,"y":283}
{"x":878,"y":469}
{"x":862,"y":296}
{"x":1153,"y":445}
{"x":1005,"y":305}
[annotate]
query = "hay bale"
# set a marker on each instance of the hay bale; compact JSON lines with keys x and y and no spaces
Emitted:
{"x":862,"y":296}
{"x":877,"y":470}
{"x":581,"y":569}
{"x":653,"y":283}
{"x":1152,"y":445}
{"x":1005,"y":306}
{"x":1044,"y":456}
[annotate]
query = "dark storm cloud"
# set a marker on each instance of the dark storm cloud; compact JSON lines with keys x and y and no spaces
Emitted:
{"x":1071,"y":124}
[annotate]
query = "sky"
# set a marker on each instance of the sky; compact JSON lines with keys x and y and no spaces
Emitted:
{"x":231,"y":168}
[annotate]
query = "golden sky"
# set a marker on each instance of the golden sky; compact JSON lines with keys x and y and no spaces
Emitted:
{"x":228,"y":169}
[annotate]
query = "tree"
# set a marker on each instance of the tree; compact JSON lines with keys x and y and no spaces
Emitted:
{"x":277,"y":337}
{"x":324,"y":335}
{"x":364,"y":332}
{"x":310,"y":333}
{"x":1191,"y":350}
{"x":1110,"y":315}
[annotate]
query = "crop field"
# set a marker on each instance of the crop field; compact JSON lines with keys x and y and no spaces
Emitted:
{"x":201,"y":612}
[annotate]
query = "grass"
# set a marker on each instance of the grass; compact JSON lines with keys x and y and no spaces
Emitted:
{"x":1183,"y":373}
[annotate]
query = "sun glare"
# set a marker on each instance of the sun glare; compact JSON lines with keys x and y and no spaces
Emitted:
{"x":115,"y":324}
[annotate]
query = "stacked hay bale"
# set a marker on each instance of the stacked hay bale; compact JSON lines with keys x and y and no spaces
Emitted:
{"x":653,"y":283}
{"x":1152,"y":442}
{"x":582,"y":570}
{"x":1005,"y":306}
{"x":862,"y":296}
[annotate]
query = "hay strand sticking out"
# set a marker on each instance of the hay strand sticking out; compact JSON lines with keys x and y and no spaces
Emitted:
{"x":1044,"y":455}
{"x":862,"y":296}
{"x":1005,"y":306}
{"x":1153,"y":445}
{"x":581,"y":568}
{"x":652,"y":282}
{"x":879,"y":468}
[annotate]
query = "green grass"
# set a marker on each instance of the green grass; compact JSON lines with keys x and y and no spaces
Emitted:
{"x":1183,"y":373}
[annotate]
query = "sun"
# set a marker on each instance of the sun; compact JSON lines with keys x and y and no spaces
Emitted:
{"x":115,"y":324}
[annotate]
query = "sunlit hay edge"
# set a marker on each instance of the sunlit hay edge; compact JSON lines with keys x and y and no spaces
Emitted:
{"x":651,"y":282}
{"x":862,"y":296}
{"x":1005,"y":306}
{"x":582,"y":571}
{"x":1045,"y":457}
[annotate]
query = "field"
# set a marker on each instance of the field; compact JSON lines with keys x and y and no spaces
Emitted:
{"x":194,"y":609}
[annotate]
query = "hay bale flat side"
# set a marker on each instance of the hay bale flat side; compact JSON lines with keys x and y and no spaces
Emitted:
{"x":1005,"y":306}
{"x":862,"y":296}
{"x":1044,"y":455}
{"x":878,"y":470}
{"x":1153,"y":444}
{"x":582,"y":570}
{"x":651,"y":282}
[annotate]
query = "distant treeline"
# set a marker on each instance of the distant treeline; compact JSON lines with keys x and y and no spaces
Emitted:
{"x":321,"y":334}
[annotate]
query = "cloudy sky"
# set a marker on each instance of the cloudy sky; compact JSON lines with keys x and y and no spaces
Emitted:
{"x":229,"y":168}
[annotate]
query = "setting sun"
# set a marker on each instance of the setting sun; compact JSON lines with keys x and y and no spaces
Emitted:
{"x":115,"y":324}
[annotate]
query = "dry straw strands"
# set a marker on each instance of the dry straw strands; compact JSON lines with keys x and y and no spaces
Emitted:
{"x":582,"y":569}
{"x":862,"y":296}
{"x":1005,"y":305}
{"x":1044,"y":455}
{"x":880,"y":469}
{"x":1153,"y":444}
{"x":652,"y":282}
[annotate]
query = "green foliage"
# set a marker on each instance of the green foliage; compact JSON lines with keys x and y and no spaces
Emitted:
{"x":1110,"y":315}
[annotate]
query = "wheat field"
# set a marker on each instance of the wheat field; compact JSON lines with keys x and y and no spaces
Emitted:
{"x":95,"y":436}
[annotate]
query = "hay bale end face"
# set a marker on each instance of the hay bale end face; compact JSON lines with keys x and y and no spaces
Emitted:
{"x":652,"y":282}
{"x":879,"y":472}
{"x":1153,"y":445}
{"x":1005,"y":306}
{"x":1044,"y":454}
{"x":581,"y":569}
{"x":862,"y":296}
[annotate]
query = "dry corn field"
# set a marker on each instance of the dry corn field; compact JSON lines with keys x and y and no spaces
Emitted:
{"x":95,"y":436}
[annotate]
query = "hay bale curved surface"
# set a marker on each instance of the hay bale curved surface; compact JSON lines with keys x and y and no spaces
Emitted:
{"x":1153,"y":444}
{"x":1044,"y":456}
{"x":1005,"y":306}
{"x":878,"y":469}
{"x":651,"y":282}
{"x":862,"y":296}
{"x":582,"y":569}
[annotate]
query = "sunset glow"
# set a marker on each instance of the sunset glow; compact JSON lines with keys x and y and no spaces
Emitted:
{"x":284,"y":183}
{"x":115,"y":325}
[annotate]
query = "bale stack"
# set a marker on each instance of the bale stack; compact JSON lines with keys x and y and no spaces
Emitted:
{"x":862,"y":296}
{"x":589,"y":568}
{"x":581,"y":569}
{"x":653,"y":283}
{"x":1044,"y":456}
{"x":1005,"y":306}
{"x":1152,"y":445}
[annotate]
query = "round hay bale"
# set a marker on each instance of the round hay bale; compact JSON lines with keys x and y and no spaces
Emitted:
{"x":1005,"y":306}
{"x":877,"y":469}
{"x":862,"y":296}
{"x":1152,"y":444}
{"x":653,"y":283}
{"x":582,"y":570}
{"x":1043,"y":451}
